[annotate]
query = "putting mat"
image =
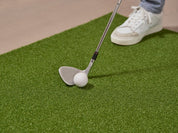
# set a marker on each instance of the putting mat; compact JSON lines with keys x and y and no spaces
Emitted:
{"x":131,"y":89}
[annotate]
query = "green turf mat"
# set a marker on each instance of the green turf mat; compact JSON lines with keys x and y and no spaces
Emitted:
{"x":132,"y":89}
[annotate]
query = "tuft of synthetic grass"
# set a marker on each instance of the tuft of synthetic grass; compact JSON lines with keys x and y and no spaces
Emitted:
{"x":131,"y":88}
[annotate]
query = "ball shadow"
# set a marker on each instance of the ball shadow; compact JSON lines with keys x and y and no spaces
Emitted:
{"x":88,"y":87}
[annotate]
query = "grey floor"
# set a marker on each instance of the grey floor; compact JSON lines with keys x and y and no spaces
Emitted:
{"x":25,"y":21}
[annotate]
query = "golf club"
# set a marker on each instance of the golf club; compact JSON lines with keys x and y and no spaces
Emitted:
{"x":67,"y":73}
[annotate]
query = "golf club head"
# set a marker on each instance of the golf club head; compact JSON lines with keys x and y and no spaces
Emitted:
{"x":67,"y":74}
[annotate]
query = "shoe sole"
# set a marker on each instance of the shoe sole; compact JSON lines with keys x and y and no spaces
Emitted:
{"x":134,"y":40}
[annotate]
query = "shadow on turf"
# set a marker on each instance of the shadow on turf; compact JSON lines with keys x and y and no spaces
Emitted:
{"x":88,"y":87}
{"x":141,"y":70}
{"x":161,"y":34}
{"x":112,"y":74}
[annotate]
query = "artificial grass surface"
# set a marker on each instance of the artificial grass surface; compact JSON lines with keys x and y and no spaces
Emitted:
{"x":131,"y":89}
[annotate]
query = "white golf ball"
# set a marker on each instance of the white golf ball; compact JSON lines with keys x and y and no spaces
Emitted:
{"x":80,"y":79}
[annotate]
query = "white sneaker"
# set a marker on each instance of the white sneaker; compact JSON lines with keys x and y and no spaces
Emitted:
{"x":139,"y":24}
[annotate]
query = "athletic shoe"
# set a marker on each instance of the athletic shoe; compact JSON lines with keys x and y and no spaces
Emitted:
{"x":139,"y":24}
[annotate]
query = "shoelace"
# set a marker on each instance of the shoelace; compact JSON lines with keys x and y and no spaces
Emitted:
{"x":137,"y":16}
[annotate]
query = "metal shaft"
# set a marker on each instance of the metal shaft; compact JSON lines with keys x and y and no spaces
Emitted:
{"x":108,"y":25}
{"x":102,"y":37}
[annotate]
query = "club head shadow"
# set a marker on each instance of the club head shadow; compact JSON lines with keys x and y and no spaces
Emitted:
{"x":67,"y":74}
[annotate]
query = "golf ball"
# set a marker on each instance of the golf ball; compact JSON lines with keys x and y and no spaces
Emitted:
{"x":80,"y":79}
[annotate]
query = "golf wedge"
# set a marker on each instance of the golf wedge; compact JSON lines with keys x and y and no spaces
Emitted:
{"x":67,"y":73}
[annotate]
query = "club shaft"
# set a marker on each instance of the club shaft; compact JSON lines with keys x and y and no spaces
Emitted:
{"x":102,"y":37}
{"x":108,"y":25}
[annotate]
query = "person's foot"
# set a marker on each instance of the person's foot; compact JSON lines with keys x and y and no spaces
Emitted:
{"x":139,"y":24}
